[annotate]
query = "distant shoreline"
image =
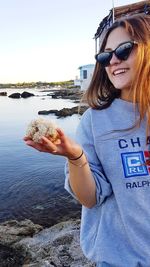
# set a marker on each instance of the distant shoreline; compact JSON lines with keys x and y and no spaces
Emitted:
{"x":47,"y":85}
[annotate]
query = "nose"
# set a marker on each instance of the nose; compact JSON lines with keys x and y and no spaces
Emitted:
{"x":114,"y":60}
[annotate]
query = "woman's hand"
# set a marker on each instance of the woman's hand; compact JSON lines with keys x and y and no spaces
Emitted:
{"x":65,"y":147}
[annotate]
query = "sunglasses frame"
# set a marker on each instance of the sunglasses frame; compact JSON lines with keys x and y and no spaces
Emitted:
{"x":110,"y":53}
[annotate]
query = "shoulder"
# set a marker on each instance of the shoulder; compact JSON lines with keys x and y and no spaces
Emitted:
{"x":92,"y":121}
{"x":98,"y":122}
{"x":92,"y":115}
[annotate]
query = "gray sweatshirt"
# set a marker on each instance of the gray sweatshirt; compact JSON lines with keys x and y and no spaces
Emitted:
{"x":116,"y":231}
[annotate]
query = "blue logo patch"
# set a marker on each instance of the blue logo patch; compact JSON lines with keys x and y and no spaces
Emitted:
{"x":133,"y":164}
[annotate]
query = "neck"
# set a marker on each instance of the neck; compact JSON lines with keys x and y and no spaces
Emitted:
{"x":127,"y":95}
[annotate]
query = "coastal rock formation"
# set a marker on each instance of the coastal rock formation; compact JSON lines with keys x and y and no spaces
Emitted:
{"x":26,"y":94}
{"x":11,"y":232}
{"x":15,"y":95}
{"x":65,"y":111}
{"x":23,"y":95}
{"x":28,"y":245}
{"x":3,"y":93}
{"x":64,"y":94}
{"x":73,"y":94}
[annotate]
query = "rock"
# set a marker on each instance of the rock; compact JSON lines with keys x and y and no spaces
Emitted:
{"x":73,"y":94}
{"x":57,"y":246}
{"x":3,"y":93}
{"x":23,"y":95}
{"x":26,"y":94}
{"x":10,"y":257}
{"x":15,"y":95}
{"x":12,"y":231}
{"x":46,"y":112}
{"x":65,"y":111}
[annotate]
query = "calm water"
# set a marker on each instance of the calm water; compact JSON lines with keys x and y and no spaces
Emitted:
{"x":32,"y":183}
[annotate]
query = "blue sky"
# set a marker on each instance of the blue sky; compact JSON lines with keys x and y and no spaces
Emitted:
{"x":47,"y":40}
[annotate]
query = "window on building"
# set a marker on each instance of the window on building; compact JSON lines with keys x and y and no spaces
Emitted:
{"x":84,"y":74}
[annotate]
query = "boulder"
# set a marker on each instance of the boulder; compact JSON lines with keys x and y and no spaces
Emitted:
{"x":33,"y":246}
{"x":12,"y":231}
{"x":15,"y":95}
{"x":23,"y":95}
{"x":65,"y":111}
{"x":26,"y":94}
{"x":10,"y":257}
{"x":74,"y":94}
{"x":3,"y":93}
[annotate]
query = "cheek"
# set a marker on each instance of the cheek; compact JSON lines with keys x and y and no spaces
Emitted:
{"x":107,"y":70}
{"x":108,"y":73}
{"x":132,"y":60}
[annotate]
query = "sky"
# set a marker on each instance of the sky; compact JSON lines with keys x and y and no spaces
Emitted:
{"x":48,"y":40}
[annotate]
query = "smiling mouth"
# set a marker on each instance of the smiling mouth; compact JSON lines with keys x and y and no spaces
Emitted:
{"x":119,"y":71}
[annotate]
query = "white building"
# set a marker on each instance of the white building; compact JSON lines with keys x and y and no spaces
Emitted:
{"x":86,"y":72}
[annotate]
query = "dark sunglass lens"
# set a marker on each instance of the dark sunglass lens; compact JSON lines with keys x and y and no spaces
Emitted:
{"x":104,"y":58}
{"x":124,"y":50}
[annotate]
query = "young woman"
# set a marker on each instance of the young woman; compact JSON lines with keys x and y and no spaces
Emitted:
{"x":108,"y":167}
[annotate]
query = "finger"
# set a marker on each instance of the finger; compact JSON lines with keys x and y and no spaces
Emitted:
{"x":62,"y":135}
{"x":49,"y":145}
{"x":29,"y":142}
{"x":32,"y":144}
{"x":26,"y":138}
{"x":36,"y":146}
{"x":60,"y":132}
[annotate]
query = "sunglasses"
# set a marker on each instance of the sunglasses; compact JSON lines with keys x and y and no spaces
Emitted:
{"x":122,"y":52}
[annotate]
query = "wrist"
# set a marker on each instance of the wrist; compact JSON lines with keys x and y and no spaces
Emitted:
{"x":79,"y":161}
{"x":74,"y":153}
{"x":76,"y":157}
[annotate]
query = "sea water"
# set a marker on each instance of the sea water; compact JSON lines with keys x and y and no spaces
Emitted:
{"x":32,"y":183}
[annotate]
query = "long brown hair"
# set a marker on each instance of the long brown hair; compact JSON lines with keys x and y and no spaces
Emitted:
{"x":101,"y":91}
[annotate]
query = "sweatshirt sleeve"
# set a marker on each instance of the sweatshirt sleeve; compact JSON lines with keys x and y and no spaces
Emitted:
{"x":85,"y":137}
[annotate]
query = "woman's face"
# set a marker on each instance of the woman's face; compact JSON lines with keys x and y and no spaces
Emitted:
{"x":121,"y":72}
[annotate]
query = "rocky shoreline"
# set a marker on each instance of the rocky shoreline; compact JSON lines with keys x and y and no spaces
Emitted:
{"x":73,"y":94}
{"x":27,"y":244}
{"x":30,"y":245}
{"x":65,"y":111}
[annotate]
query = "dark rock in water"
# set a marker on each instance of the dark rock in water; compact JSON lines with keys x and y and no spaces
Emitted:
{"x":67,"y":94}
{"x":46,"y":112}
{"x":23,"y":95}
{"x":55,"y":96}
{"x":15,"y":95}
{"x":26,"y":94}
{"x":3,"y":93}
{"x":65,"y":111}
{"x":55,"y":246}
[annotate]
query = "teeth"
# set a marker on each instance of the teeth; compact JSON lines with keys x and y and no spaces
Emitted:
{"x":119,"y":71}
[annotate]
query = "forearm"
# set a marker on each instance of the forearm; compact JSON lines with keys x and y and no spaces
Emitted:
{"x":82,"y":182}
{"x":80,"y":176}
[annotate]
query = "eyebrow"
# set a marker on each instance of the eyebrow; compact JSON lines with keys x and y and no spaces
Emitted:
{"x":109,"y":49}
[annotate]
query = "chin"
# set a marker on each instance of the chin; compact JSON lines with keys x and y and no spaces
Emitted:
{"x":122,"y":86}
{"x":122,"y":83}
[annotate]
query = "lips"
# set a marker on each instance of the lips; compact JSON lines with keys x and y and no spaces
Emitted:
{"x":119,"y":71}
